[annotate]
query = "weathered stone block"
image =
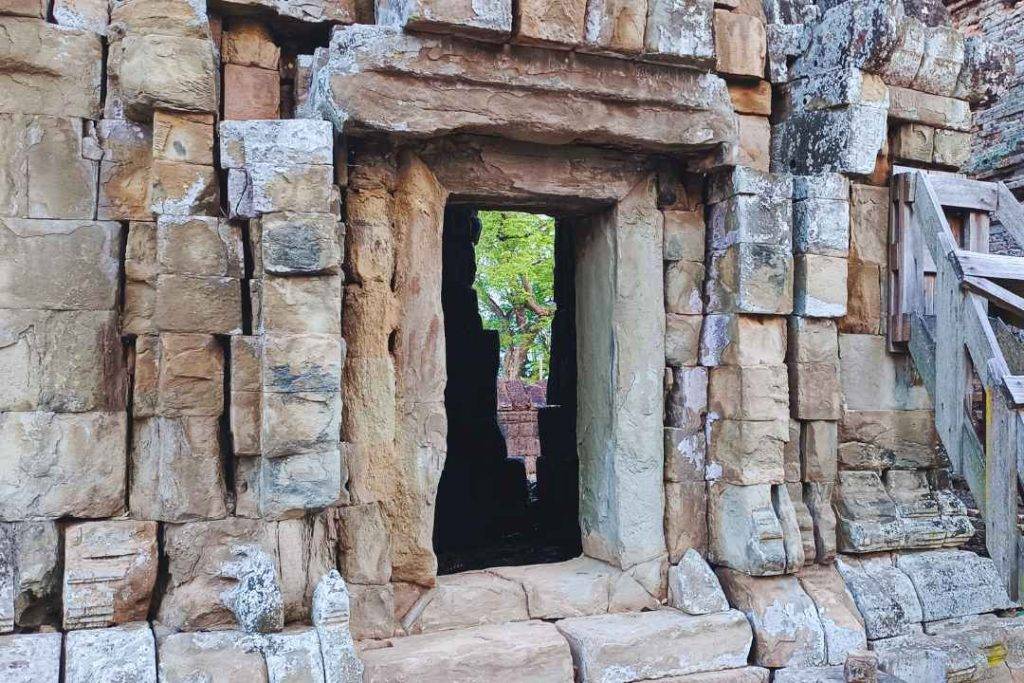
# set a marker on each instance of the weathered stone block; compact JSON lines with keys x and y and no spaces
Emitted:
{"x":487,"y":21}
{"x":753,"y":147}
{"x":126,"y":653}
{"x":741,"y":44}
{"x":49,"y":70}
{"x":686,"y":519}
{"x":180,"y":189}
{"x":791,"y":453}
{"x":300,"y":422}
{"x":743,"y":340}
{"x":746,"y":452}
{"x":292,"y":485}
{"x":684,"y":455}
{"x":61,"y":465}
{"x":197,"y":245}
{"x":914,"y":142}
{"x":869,"y":224}
{"x":812,"y":340}
{"x":231,"y":656}
{"x":743,"y":180}
{"x":744,"y":529}
{"x":615,"y":25}
{"x":680,"y":31}
{"x":841,"y":622}
{"x":30,"y":657}
{"x":941,"y":61}
{"x":183,"y":137}
{"x":882,"y":439}
{"x":814,"y":391}
{"x":251,"y":93}
{"x":819,"y":288}
{"x":176,"y":469}
{"x":541,"y":22}
{"x":684,"y":235}
{"x":110,"y":568}
{"x":81,"y":258}
{"x":750,"y":219}
{"x":687,"y":400}
{"x":147,"y":80}
{"x":751,"y":278}
{"x":787,"y":629}
{"x":300,"y":243}
{"x":250,"y":43}
{"x":364,"y":544}
{"x":864,"y":304}
{"x":866,"y":515}
{"x":665,"y":642}
{"x":124,"y":170}
{"x":884,"y":595}
{"x":469,"y":599}
{"x":952,"y":148}
{"x":286,"y":142}
{"x":20,"y":8}
{"x":846,"y":139}
{"x":525,"y":651}
{"x":818,"y":451}
{"x":874,"y":379}
{"x":682,"y":339}
{"x":34,"y":571}
{"x":186,"y":303}
{"x":301,"y":305}
{"x":751,"y":98}
{"x":302,"y":363}
{"x":759,"y":392}
{"x":915,"y":106}
{"x":693,"y":588}
{"x":821,"y":215}
{"x":954,"y":583}
{"x":684,"y":281}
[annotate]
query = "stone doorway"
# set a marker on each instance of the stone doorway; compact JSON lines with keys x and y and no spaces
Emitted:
{"x":492,"y":509}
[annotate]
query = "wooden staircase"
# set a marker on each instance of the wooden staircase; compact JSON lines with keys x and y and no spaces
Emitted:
{"x":949,"y":302}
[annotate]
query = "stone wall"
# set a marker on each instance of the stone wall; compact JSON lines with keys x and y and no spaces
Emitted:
{"x":224,"y":347}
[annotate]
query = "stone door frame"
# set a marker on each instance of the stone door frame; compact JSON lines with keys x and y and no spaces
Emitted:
{"x":620,"y":326}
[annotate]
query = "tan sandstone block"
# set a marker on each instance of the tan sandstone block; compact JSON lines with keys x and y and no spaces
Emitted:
{"x":183,"y":137}
{"x":191,"y":379}
{"x":550,"y":22}
{"x":952,"y":148}
{"x":746,"y":452}
{"x":186,"y":303}
{"x":147,"y":80}
{"x":47,"y":69}
{"x":198,"y":245}
{"x":812,"y":340}
{"x":819,"y":286}
{"x":616,"y":25}
{"x":749,"y":393}
{"x":251,"y":92}
{"x":754,"y":142}
{"x":684,"y":235}
{"x":869,"y":224}
{"x":124,"y":170}
{"x":914,"y":142}
{"x":814,"y":391}
{"x":751,"y":98}
{"x":302,"y":305}
{"x":179,"y":189}
{"x":734,"y":339}
{"x":24,"y":8}
{"x":110,"y":568}
{"x":864,"y":303}
{"x":249,"y":43}
{"x":686,"y":523}
{"x":684,"y":281}
{"x":741,"y":44}
{"x":682,"y":339}
{"x":819,"y":441}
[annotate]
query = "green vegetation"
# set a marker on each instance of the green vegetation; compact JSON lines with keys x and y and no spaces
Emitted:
{"x":515,"y":286}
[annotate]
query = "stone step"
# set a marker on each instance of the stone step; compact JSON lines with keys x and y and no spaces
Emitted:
{"x":618,"y":648}
{"x":525,"y":651}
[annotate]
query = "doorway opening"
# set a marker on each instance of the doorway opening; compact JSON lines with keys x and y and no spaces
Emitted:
{"x":508,"y":494}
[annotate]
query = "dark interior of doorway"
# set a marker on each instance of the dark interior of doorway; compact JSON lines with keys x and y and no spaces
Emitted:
{"x":488,"y":514}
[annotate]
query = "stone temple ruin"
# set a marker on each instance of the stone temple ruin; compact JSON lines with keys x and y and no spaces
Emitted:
{"x":242,"y":376}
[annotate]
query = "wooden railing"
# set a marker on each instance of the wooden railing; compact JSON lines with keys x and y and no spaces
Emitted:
{"x":942,"y":283}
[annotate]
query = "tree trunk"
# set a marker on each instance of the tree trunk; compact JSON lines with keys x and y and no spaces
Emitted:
{"x":515,"y":358}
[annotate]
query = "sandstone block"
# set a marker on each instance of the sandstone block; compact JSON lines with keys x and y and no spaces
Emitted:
{"x":687,"y":401}
{"x":249,"y":43}
{"x":741,"y":44}
{"x":176,"y":469}
{"x":61,"y":465}
{"x":682,"y":339}
{"x":914,"y":142}
{"x":197,"y":245}
{"x":283,"y":142}
{"x":742,"y":340}
{"x":819,"y":288}
{"x":161,"y":17}
{"x":300,"y":422}
{"x":519,"y":652}
{"x":683,"y":283}
{"x":330,"y":615}
{"x":866,"y":515}
{"x":686,"y":518}
{"x":124,"y":170}
{"x":744,"y":529}
{"x":821,"y":224}
{"x":183,"y":189}
{"x":759,"y":392}
{"x":33,"y":569}
{"x":882,"y":439}
{"x":364,"y":544}
{"x":125,"y":653}
{"x":915,"y":106}
{"x":251,"y":93}
{"x":864,"y":363}
{"x":750,"y":219}
{"x":743,"y":180}
{"x":845,"y":139}
{"x":147,"y":80}
{"x":302,"y":363}
{"x":787,"y":629}
{"x":869,"y":224}
{"x":791,"y":453}
{"x":48,"y":69}
{"x":297,"y":188}
{"x":294,"y":653}
{"x":300,"y":243}
{"x":189,"y":374}
{"x":693,"y":588}
{"x":917,"y":508}
{"x":751,"y":278}
{"x":468,"y":599}
{"x":294,"y":484}
{"x":186,"y":303}
{"x":941,"y":60}
{"x":684,"y":235}
{"x":20,"y":8}
{"x":665,"y":642}
{"x":45,"y":365}
{"x":255,"y":597}
{"x":680,"y":32}
{"x":88,"y":15}
{"x":753,"y":147}
{"x":954,"y":583}
{"x":952,"y":148}
{"x":30,"y":657}
{"x":751,"y":98}
{"x":315,"y":11}
{"x":684,"y":455}
{"x":550,"y":23}
{"x":615,"y":25}
{"x":814,"y":391}
{"x":301,"y":305}
{"x":229,"y":656}
{"x":490,"y":21}
{"x":746,"y":452}
{"x":841,"y":622}
{"x":373,"y":612}
{"x":81,"y":258}
{"x":804,"y":521}
{"x":864,"y":305}
{"x":812,"y":340}
{"x":818,"y":450}
{"x":110,"y":568}
{"x":182,"y":137}
{"x":884,"y":595}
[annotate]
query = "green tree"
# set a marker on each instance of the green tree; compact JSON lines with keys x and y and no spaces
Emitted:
{"x":515,"y":287}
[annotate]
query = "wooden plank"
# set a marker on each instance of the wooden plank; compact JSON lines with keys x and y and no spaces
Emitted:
{"x":1015,"y":386}
{"x":1001,"y":441}
{"x":964,"y":193}
{"x":1010,"y":214}
{"x":978,"y":228}
{"x":998,"y":295}
{"x":991,"y":265}
{"x":922,"y":350}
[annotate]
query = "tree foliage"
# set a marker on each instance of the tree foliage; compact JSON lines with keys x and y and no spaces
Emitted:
{"x":515,"y":287}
